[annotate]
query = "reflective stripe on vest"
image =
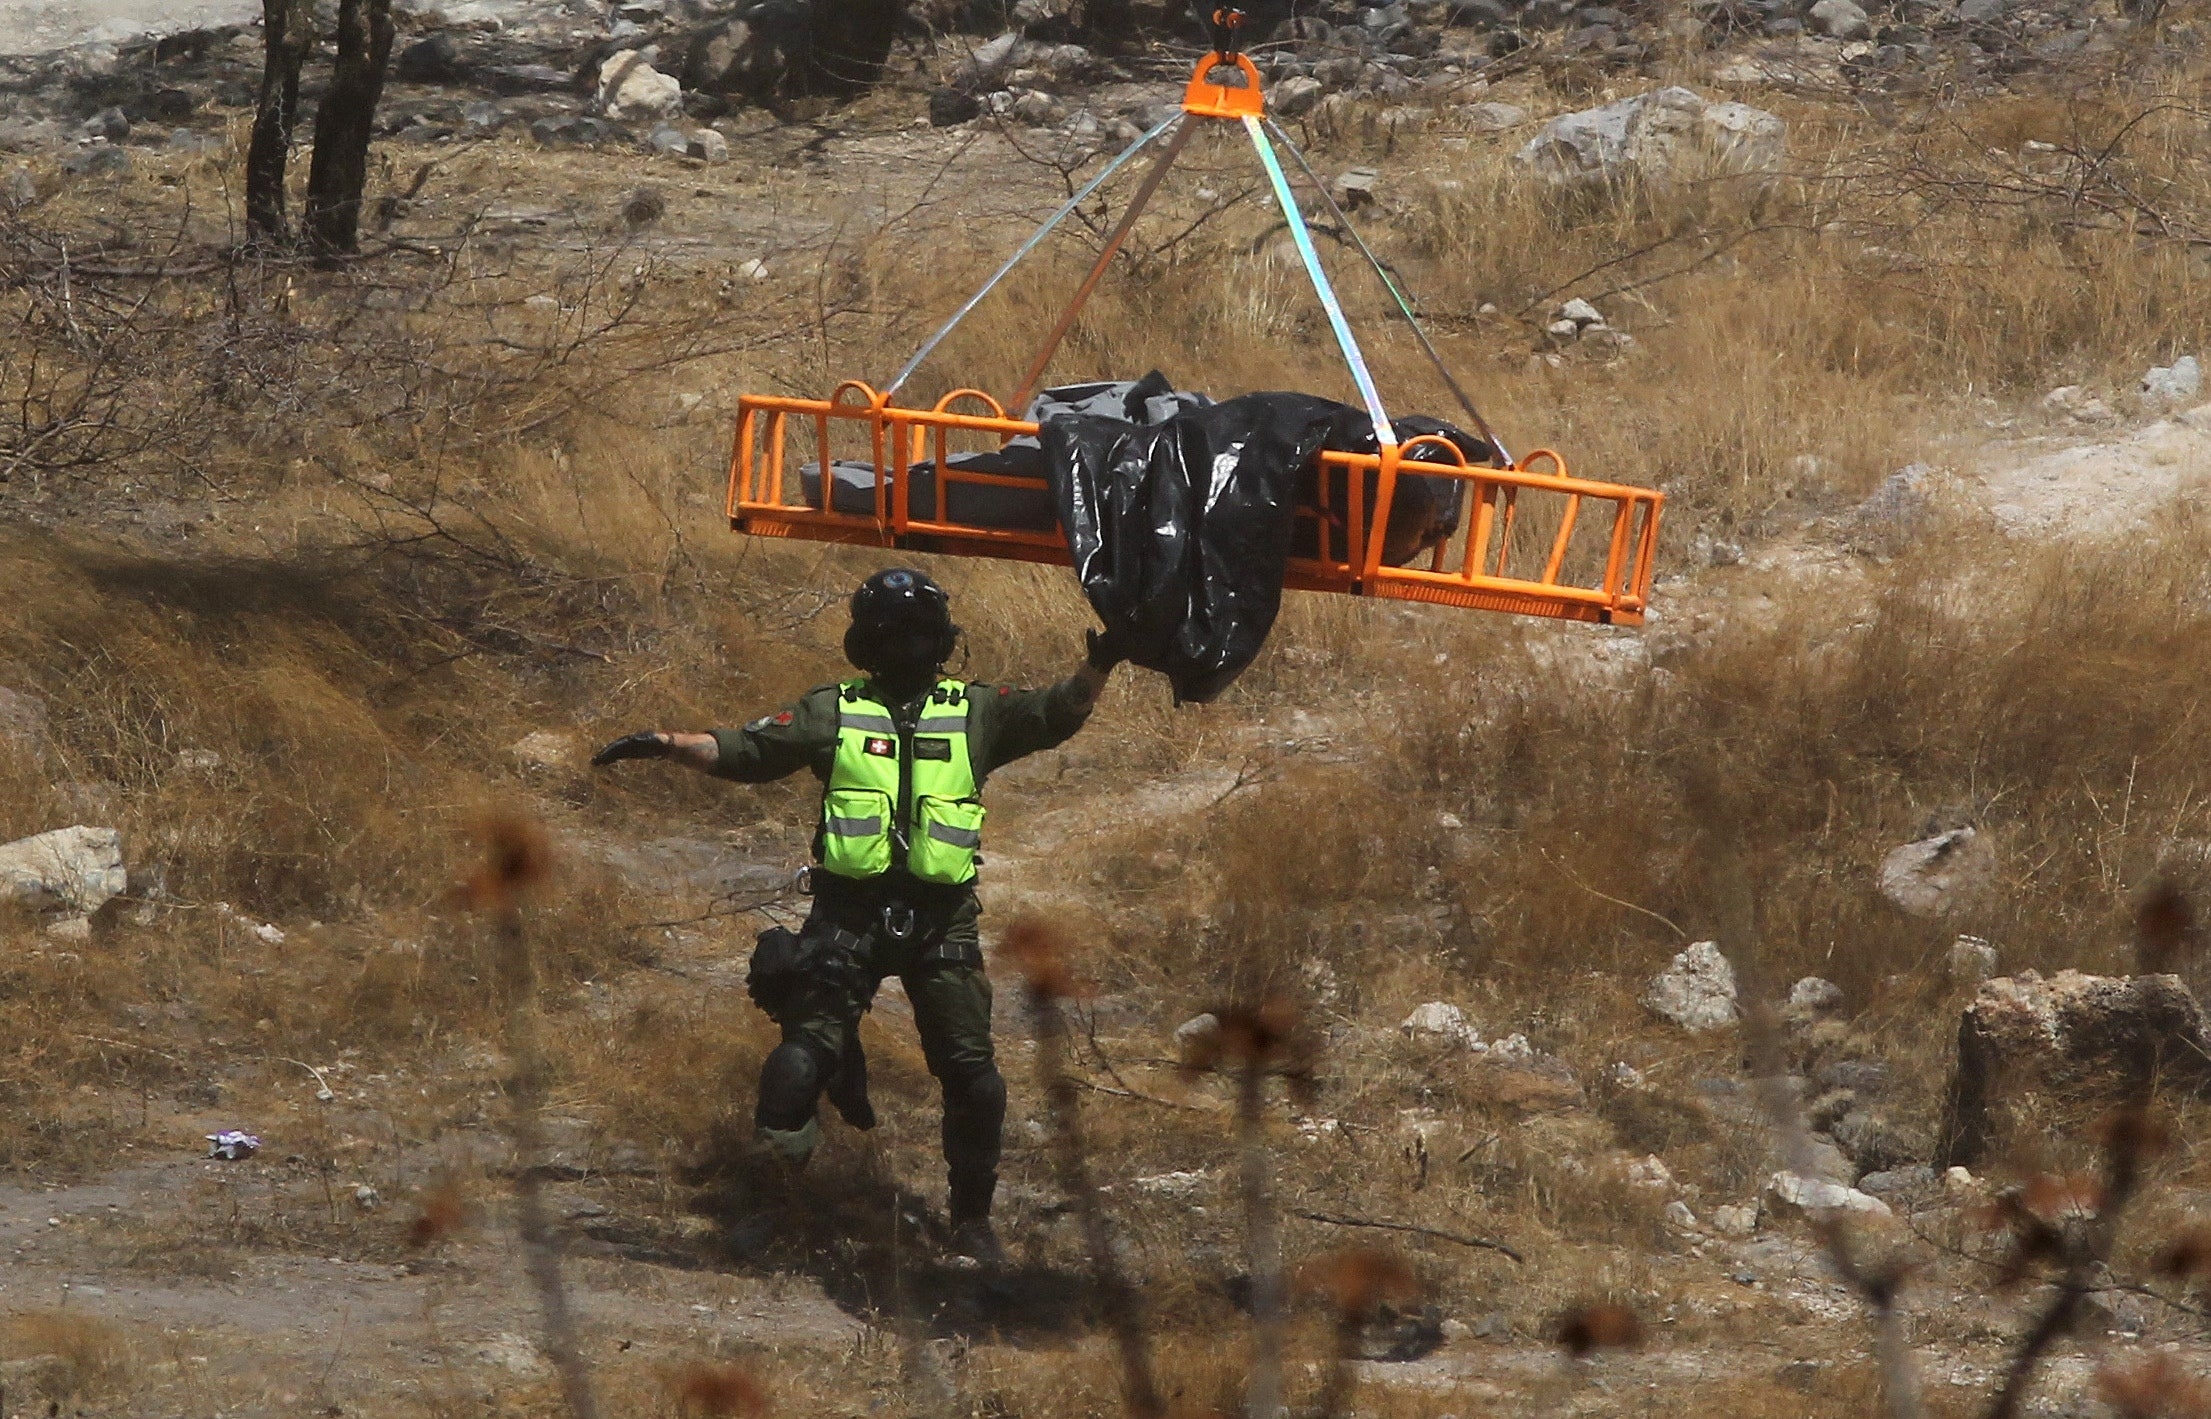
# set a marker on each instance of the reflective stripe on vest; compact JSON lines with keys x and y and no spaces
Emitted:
{"x":888,"y":804}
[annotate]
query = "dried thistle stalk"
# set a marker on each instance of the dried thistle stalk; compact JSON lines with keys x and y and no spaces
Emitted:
{"x":1041,"y":957}
{"x":1880,"y":1287}
{"x":518,"y":859}
{"x":1355,"y":1282}
{"x":1256,"y":1042}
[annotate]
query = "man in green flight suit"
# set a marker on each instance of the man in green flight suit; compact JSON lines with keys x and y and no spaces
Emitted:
{"x":902,"y":754}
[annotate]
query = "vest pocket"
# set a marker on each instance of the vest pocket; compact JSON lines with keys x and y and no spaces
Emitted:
{"x":856,"y":832}
{"x":947,"y":839}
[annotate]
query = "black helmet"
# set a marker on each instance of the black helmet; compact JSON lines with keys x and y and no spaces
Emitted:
{"x":899,"y":618}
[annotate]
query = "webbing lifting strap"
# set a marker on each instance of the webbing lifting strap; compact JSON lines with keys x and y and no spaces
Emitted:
{"x":1404,"y":305}
{"x":1035,"y":239}
{"x":1383,"y":433}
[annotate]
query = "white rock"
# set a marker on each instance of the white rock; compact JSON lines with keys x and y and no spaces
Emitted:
{"x":1971,"y":961}
{"x":1940,"y":874}
{"x":1626,"y":1075}
{"x":1791,"y":1195}
{"x":707,"y":146}
{"x":753,"y":270}
{"x":75,"y":870}
{"x":1295,"y":95}
{"x":1746,"y":70}
{"x":1494,"y":117}
{"x":2166,"y":386}
{"x":987,"y":60}
{"x":1651,"y":1172}
{"x":673,"y":142}
{"x":1678,"y":1213}
{"x":1735,"y":1221}
{"x":1355,"y":187}
{"x":1038,"y":109}
{"x":1892,"y":513}
{"x":1514,"y":1048}
{"x":1172,"y":1185}
{"x":264,"y":932}
{"x":2076,"y":403}
{"x":76,"y":930}
{"x":1421,"y":1124}
{"x":1959,"y":1181}
{"x":1581,"y":312}
{"x":1437,"y":1019}
{"x":1562,"y":329}
{"x":367,"y":1198}
{"x":1696,"y":992}
{"x":198,"y":761}
{"x":1658,"y":138}
{"x":1317,"y":1130}
{"x":1840,"y":19}
{"x":1813,"y":997}
{"x":1195,"y":1031}
{"x":631,"y":88}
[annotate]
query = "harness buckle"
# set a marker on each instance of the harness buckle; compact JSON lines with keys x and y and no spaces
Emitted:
{"x":899,"y":922}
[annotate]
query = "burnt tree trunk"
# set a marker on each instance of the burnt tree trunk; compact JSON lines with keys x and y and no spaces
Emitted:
{"x":1109,"y":24}
{"x":848,"y":43}
{"x":344,"y":124}
{"x":287,"y":32}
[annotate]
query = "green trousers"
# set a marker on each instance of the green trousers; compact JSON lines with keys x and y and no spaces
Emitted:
{"x":936,"y":953}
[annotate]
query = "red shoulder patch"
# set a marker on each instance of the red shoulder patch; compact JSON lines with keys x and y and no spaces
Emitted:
{"x":784,"y":717}
{"x":1004,"y":690}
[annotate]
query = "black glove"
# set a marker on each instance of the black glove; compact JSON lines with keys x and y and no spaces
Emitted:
{"x":644,"y":744}
{"x":1103,"y":650}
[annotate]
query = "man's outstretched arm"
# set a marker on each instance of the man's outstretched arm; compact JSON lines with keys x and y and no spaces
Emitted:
{"x":700,"y":751}
{"x":802,"y":736}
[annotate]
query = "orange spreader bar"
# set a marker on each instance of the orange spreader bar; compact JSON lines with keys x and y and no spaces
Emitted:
{"x":1539,"y":542}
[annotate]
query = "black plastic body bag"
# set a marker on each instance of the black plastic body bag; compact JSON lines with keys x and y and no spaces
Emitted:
{"x":1180,"y":531}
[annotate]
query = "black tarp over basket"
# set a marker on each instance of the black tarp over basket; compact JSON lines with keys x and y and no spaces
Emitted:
{"x":1180,"y":530}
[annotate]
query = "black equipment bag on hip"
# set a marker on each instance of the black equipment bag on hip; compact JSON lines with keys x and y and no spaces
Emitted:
{"x":785,"y":961}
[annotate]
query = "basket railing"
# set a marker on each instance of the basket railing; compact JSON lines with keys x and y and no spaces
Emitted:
{"x":1586,"y":554}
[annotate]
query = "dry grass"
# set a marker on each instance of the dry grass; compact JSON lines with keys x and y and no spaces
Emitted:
{"x":1806,"y":745}
{"x":70,"y":1356}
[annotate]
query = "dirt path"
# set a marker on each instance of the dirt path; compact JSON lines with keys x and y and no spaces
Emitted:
{"x":2098,"y":489}
{"x":262,"y":1331}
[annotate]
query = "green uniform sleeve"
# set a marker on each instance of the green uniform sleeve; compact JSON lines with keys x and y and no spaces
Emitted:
{"x":802,"y":736}
{"x":1012,"y":724}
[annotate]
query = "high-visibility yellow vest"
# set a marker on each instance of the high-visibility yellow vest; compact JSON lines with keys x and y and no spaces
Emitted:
{"x":902,"y":797}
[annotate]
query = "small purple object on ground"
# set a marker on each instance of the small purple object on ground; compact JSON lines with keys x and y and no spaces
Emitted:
{"x":231,"y":1145}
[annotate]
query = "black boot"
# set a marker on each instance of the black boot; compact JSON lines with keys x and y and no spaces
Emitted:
{"x":977,"y":1240}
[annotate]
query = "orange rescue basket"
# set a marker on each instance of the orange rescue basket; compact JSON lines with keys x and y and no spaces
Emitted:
{"x":1595,"y":564}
